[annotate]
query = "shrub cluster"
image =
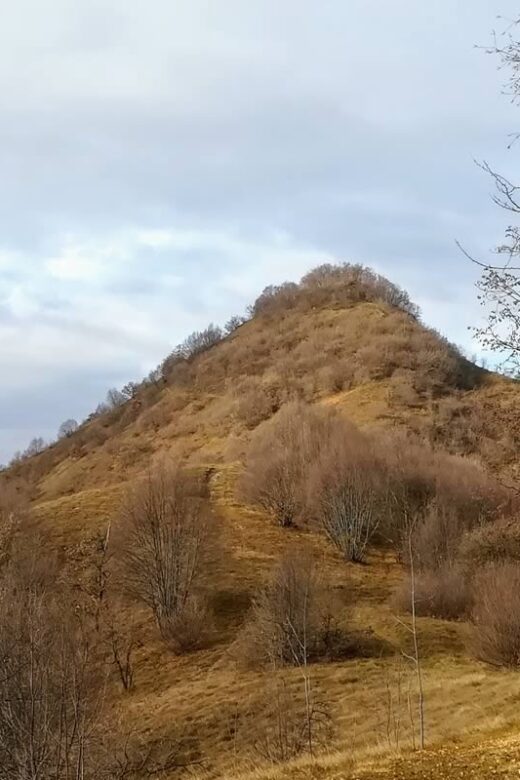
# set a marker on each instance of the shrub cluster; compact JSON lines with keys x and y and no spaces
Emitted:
{"x":287,"y":361}
{"x":338,"y":285}
{"x":496,"y":615}
{"x":294,"y":619}
{"x":163,"y":535}
{"x":307,"y":464}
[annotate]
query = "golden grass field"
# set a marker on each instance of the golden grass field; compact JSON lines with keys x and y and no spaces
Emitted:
{"x":465,"y":701}
{"x":472,"y":710}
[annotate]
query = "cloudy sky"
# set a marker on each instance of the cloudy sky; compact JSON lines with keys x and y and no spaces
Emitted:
{"x":163,"y":160}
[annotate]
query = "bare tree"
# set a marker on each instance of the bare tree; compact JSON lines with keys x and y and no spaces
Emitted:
{"x":165,"y":525}
{"x":399,"y":721}
{"x":195,"y":344}
{"x":499,"y":285}
{"x":284,"y":617}
{"x":48,"y":691}
{"x":130,"y":390}
{"x":280,"y":727}
{"x":415,"y":656}
{"x":350,"y":514}
{"x":67,"y":428}
{"x":115,"y":398}
{"x":234,"y":322}
{"x":273,"y":474}
{"x":300,"y":651}
{"x":52,"y":686}
{"x":281,"y":454}
{"x":347,"y":490}
{"x":285,"y":626}
{"x":118,"y":635}
{"x":36,"y":446}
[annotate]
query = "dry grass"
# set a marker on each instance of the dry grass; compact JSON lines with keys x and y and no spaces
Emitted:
{"x":478,"y":760}
{"x":289,"y":357}
{"x":204,"y":691}
{"x":307,"y":355}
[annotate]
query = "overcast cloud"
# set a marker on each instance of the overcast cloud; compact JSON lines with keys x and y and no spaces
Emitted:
{"x":163,"y":160}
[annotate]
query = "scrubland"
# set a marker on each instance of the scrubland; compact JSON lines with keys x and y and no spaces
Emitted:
{"x":244,"y":561}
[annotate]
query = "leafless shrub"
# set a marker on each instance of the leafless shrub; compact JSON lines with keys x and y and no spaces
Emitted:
{"x":444,"y":593}
{"x":347,"y":490}
{"x":177,"y":371}
{"x":493,"y":543}
{"x":465,"y":499}
{"x":199,"y":341}
{"x":472,"y":492}
{"x":279,"y":456}
{"x":120,"y":641}
{"x":256,"y":401}
{"x":294,"y":619}
{"x":14,"y":509}
{"x":437,"y":536}
{"x":49,"y":693}
{"x":157,"y":417}
{"x":349,"y":517}
{"x":495,"y":635}
{"x":191,"y":627}
{"x":284,"y":614}
{"x":337,"y":376}
{"x":432,"y":364}
{"x":399,"y":720}
{"x":129,"y":757}
{"x":164,"y":525}
{"x":67,"y":428}
{"x":350,"y":512}
{"x":234,"y":322}
{"x":280,"y":726}
{"x":349,"y":282}
{"x":436,"y":493}
{"x":275,"y":298}
{"x":455,"y":425}
{"x":28,"y":569}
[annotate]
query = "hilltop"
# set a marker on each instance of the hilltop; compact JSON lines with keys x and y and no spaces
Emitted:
{"x":346,"y":341}
{"x":343,"y":336}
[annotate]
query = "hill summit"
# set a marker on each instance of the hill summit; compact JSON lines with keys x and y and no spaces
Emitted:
{"x":343,"y":335}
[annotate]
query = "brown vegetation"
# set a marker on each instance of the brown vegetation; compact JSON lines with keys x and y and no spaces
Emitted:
{"x":49,"y":697}
{"x":347,"y":490}
{"x":444,"y":593}
{"x":164,"y":530}
{"x":493,"y":543}
{"x":294,"y":618}
{"x":496,"y":615}
{"x":280,"y":455}
{"x":281,"y":728}
{"x":276,"y":389}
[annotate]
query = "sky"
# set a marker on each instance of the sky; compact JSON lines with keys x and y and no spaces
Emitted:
{"x":164,"y":160}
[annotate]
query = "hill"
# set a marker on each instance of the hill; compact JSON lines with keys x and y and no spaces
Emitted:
{"x":345,"y":341}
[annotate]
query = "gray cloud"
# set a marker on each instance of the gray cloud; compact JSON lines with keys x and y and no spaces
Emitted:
{"x":162,"y":162}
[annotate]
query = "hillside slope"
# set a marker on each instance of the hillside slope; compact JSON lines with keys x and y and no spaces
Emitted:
{"x":379,"y":366}
{"x":374,"y":361}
